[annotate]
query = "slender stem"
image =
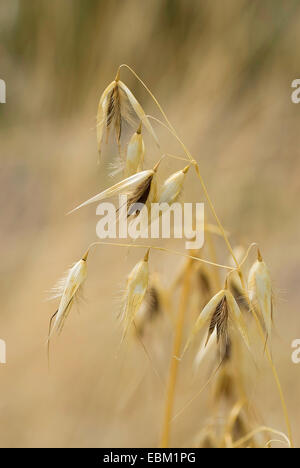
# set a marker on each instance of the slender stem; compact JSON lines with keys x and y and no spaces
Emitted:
{"x":162,"y":249}
{"x":169,"y":403}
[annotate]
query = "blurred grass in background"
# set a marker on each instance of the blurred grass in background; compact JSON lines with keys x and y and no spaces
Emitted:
{"x":223,"y":73}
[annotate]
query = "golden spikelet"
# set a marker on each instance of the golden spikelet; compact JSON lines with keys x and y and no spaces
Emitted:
{"x":144,"y":194}
{"x":219,"y":321}
{"x":205,"y":316}
{"x":260,"y":292}
{"x":114,"y":108}
{"x":135,"y":180}
{"x":172,"y":187}
{"x":137,"y":284}
{"x":217,"y":313}
{"x":68,"y":289}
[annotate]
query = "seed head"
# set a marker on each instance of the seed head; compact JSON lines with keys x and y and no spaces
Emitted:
{"x":68,"y":289}
{"x":172,"y":187}
{"x":217,"y":313}
{"x":115,"y":106}
{"x":120,"y":187}
{"x":260,"y":291}
{"x":137,"y":284}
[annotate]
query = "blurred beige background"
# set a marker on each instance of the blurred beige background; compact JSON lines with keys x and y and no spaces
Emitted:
{"x":223,"y":74}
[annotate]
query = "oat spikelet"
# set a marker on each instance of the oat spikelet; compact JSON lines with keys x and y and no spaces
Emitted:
{"x":140,"y":196}
{"x":172,"y":187}
{"x":260,"y":292}
{"x":137,"y":284}
{"x":114,"y":108}
{"x":120,"y":187}
{"x":68,"y":289}
{"x":219,"y":322}
{"x":143,"y":195}
{"x":205,"y":316}
{"x":219,"y":310}
{"x":135,"y":153}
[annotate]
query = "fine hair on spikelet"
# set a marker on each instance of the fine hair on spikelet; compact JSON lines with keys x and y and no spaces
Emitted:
{"x":68,"y":288}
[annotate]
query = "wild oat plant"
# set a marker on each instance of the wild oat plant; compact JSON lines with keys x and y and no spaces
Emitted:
{"x":235,"y":314}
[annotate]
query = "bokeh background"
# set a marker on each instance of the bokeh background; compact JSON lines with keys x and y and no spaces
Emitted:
{"x":223,"y":74}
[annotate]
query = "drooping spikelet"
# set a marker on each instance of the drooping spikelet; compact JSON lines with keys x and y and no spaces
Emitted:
{"x":68,"y":289}
{"x":221,"y":309}
{"x":168,"y":194}
{"x":135,"y":153}
{"x":139,"y":179}
{"x":137,"y":284}
{"x":260,"y":292}
{"x":114,"y":107}
{"x":144,"y":194}
{"x":219,"y":322}
{"x":172,"y":187}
